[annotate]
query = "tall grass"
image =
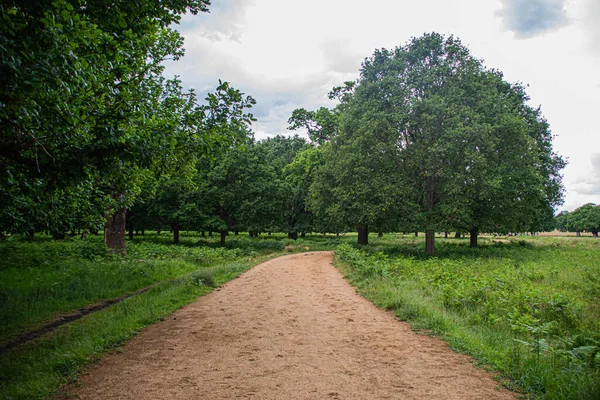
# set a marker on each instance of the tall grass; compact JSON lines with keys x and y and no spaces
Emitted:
{"x":43,"y":278}
{"x":528,"y":308}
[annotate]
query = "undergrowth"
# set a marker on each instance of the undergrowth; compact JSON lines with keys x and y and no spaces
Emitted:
{"x":43,"y":278}
{"x":528,"y":308}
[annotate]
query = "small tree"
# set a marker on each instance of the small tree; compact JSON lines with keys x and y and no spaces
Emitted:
{"x":585,"y":218}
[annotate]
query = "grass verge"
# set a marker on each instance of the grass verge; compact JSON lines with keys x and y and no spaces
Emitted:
{"x":180,"y":274}
{"x":527,"y":309}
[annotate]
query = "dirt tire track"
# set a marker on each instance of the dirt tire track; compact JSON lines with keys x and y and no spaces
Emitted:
{"x":290,"y":328}
{"x":66,"y":318}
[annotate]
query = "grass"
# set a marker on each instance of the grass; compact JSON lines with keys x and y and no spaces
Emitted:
{"x":43,"y":278}
{"x":528,"y":307}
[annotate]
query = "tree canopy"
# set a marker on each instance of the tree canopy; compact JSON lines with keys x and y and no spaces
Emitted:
{"x":85,"y":105}
{"x":432,"y":136}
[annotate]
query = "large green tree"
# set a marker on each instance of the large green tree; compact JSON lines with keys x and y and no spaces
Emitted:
{"x":83,"y":101}
{"x":298,"y":177}
{"x":358,"y":186}
{"x":510,"y":177}
{"x":241,"y":189}
{"x":585,"y":218}
{"x":280,"y":151}
{"x":461,"y":142}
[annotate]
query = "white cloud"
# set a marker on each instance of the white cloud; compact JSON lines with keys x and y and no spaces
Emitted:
{"x":589,"y":184}
{"x":591,"y":21}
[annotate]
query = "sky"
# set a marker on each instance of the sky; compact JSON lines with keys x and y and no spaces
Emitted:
{"x":289,"y":54}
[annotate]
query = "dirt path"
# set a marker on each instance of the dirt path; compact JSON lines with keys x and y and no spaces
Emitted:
{"x":291,"y":328}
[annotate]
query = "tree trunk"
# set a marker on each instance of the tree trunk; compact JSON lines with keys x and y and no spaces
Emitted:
{"x":293,"y":235}
{"x":176,"y":229}
{"x":223,"y":236}
{"x":445,"y":235}
{"x":58,"y":235}
{"x":143,"y":231}
{"x":363,"y":234}
{"x":457,"y":235}
{"x":416,"y":234}
{"x":131,"y":232}
{"x":577,"y":233}
{"x":429,"y":241}
{"x":114,"y":232}
{"x":236,"y":233}
{"x":209,"y":233}
{"x":379,"y":234}
{"x":158,"y":231}
{"x":474,"y":232}
{"x":303,"y":235}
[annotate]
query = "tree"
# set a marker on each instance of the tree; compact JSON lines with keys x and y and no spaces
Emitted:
{"x":358,"y":184}
{"x":279,"y":152}
{"x":562,"y":221}
{"x":174,"y":133}
{"x":241,"y":189}
{"x":69,"y":70}
{"x":510,"y":180}
{"x":585,"y":218}
{"x":321,"y":125}
{"x":84,"y":101}
{"x":173,"y":203}
{"x":454,"y":125}
{"x":298,"y":178}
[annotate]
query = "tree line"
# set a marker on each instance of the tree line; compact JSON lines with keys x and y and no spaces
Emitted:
{"x":94,"y":136}
{"x":430,"y":139}
{"x":583,"y":219}
{"x":87,"y":118}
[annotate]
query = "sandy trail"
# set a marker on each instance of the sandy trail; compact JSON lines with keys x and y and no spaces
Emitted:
{"x":290,"y":328}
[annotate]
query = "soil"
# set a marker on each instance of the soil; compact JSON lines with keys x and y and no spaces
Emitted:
{"x":66,"y":318}
{"x":290,"y":328}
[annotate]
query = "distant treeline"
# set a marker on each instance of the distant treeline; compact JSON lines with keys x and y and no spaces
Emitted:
{"x":93,"y":137}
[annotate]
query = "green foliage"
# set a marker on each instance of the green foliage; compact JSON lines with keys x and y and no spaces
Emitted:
{"x":86,"y":115}
{"x":321,"y":125}
{"x":585,"y":218}
{"x":528,"y":311}
{"x":429,"y":138}
{"x":299,"y":175}
{"x":242,"y":189}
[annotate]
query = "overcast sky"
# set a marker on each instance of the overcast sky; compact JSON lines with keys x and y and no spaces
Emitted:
{"x":289,"y":54}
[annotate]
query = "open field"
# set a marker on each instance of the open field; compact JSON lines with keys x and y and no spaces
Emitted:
{"x":44,"y":279}
{"x":528,"y":307}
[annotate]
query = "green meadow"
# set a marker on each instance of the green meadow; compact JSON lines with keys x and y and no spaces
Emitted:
{"x":526,"y":308}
